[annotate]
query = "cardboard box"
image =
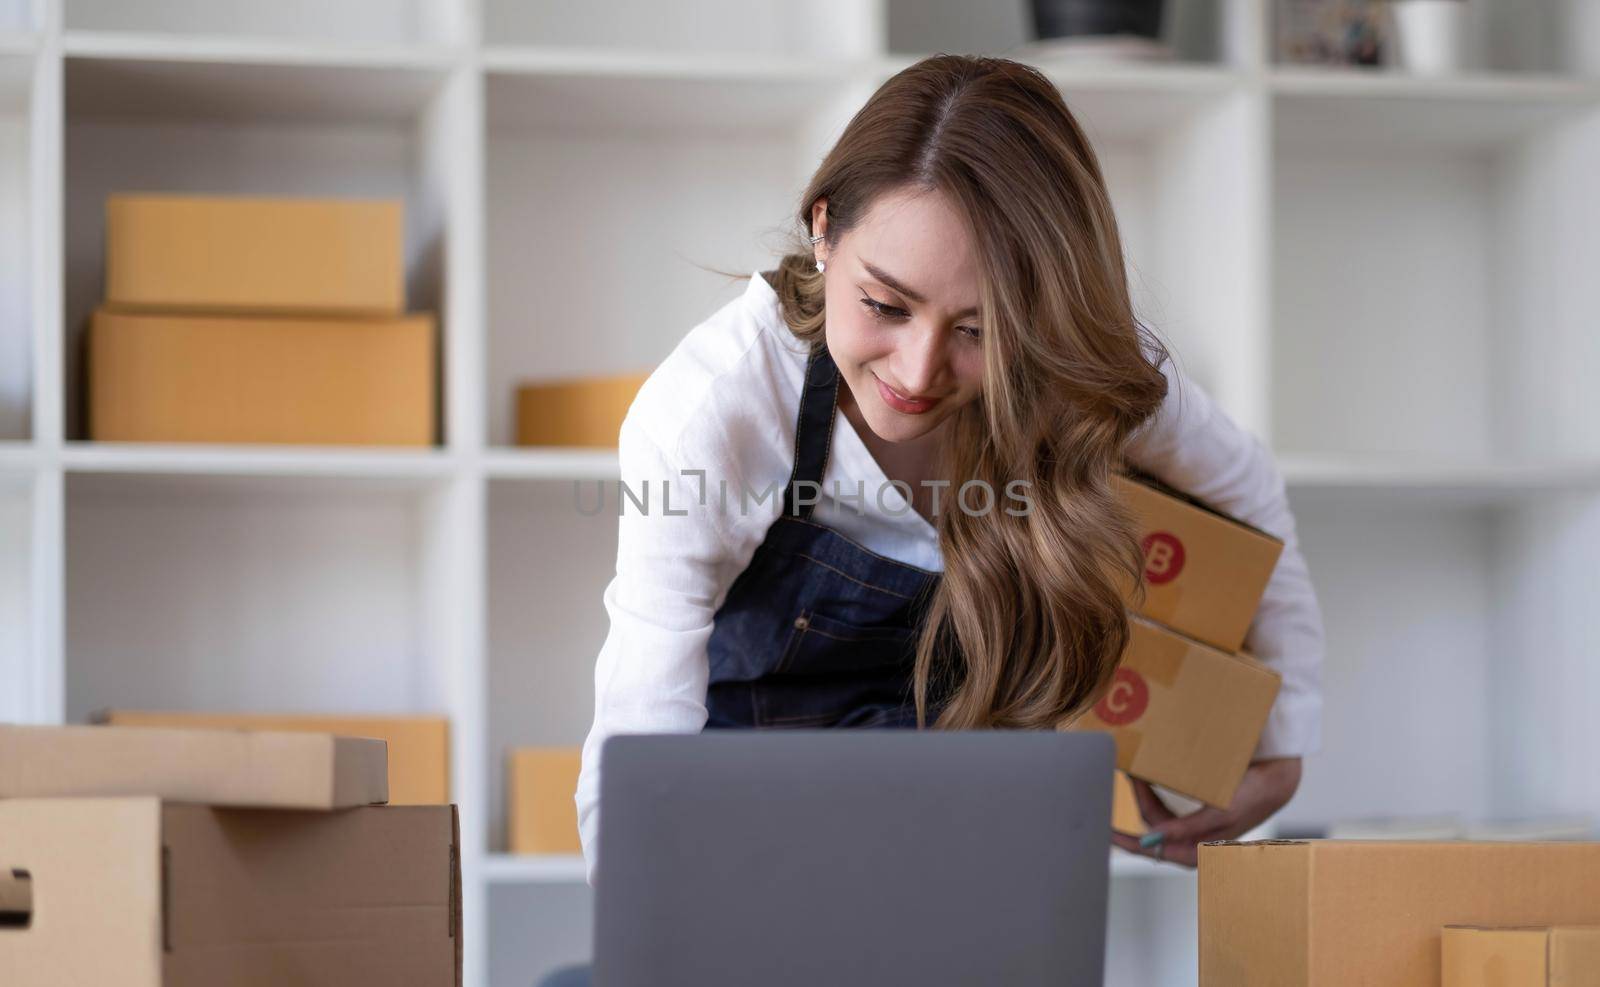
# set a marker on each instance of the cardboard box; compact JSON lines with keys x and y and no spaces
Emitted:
{"x":580,"y":412}
{"x":255,"y":254}
{"x":419,"y":746}
{"x":1562,"y":956}
{"x":218,"y":767}
{"x":1204,"y":571}
{"x":1326,"y":913}
{"x":1125,"y":814}
{"x":141,"y":893}
{"x":1184,"y":715}
{"x":190,"y":378}
{"x":543,"y":815}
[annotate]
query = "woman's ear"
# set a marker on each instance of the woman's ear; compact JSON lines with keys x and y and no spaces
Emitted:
{"x":819,"y":227}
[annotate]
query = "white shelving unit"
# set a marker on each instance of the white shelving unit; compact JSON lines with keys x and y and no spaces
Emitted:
{"x":1390,"y":280}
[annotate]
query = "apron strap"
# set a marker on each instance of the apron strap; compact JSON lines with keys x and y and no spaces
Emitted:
{"x":813,"y":430}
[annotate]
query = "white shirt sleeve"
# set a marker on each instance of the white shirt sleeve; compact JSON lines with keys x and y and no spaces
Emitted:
{"x":672,"y":572}
{"x":1193,"y":445}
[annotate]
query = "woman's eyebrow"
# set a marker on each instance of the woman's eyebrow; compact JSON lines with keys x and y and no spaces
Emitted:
{"x":890,"y":281}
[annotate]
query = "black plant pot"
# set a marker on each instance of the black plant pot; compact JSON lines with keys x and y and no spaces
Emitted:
{"x":1078,"y":18}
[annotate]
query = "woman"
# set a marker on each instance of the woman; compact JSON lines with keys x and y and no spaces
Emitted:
{"x":954,"y":330}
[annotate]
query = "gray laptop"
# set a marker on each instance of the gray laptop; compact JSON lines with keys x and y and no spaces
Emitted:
{"x":843,"y":857}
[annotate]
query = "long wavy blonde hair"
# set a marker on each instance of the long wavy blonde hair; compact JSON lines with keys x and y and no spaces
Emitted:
{"x":1029,"y":620}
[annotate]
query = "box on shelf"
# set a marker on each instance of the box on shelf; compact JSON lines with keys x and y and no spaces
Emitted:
{"x":419,"y":746}
{"x":145,"y":893}
{"x":1561,"y":956}
{"x":585,"y":411}
{"x":1204,"y":571}
{"x":255,"y":768}
{"x":255,"y":254}
{"x":1183,"y":714}
{"x":161,"y":377}
{"x":543,"y":817}
{"x":1292,"y":913}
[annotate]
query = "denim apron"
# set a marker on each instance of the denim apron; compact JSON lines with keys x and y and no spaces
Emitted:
{"x":817,"y":631}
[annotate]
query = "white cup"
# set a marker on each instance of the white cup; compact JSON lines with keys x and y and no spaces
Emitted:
{"x":1430,"y":34}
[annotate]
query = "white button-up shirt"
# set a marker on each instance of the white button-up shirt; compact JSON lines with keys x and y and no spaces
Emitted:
{"x":713,"y":429}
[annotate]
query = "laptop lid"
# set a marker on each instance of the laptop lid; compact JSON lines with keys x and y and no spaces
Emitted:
{"x":840,"y":857}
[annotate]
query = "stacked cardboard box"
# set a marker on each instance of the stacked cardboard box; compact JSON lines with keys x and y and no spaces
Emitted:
{"x":1306,"y":913}
{"x":418,"y":746}
{"x":1561,"y":956}
{"x":1187,"y":706}
{"x":581,"y":411}
{"x":258,"y":320}
{"x":158,"y":858}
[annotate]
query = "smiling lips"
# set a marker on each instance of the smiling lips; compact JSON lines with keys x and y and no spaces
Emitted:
{"x":909,"y":406}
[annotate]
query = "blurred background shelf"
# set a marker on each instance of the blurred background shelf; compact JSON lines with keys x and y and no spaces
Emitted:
{"x":264,"y":461}
{"x":552,"y":464}
{"x":1388,"y":279}
{"x":1409,"y":480}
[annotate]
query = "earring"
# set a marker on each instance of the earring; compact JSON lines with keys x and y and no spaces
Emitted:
{"x":821,"y":267}
{"x":816,"y":238}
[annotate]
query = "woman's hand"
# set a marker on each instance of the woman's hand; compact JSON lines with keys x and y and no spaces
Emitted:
{"x":1266,"y":787}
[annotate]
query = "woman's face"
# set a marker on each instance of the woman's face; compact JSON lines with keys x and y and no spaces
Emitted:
{"x":902,"y":313}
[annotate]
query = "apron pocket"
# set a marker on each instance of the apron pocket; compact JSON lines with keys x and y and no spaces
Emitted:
{"x":822,"y":645}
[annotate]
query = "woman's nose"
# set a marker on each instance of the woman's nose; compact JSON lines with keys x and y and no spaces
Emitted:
{"x":922,"y":362}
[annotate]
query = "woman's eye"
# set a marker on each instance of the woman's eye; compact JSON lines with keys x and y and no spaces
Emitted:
{"x":881,"y":310}
{"x":887,"y":312}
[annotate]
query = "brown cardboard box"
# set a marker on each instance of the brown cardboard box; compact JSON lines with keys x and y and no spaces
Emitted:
{"x":543,"y":815}
{"x":419,"y":746}
{"x":1204,"y":571}
{"x":1563,"y":956}
{"x":1183,"y":714}
{"x":1328,"y":913}
{"x":218,"y":767}
{"x":140,"y":893}
{"x":585,"y":411}
{"x":255,"y":254}
{"x":1125,"y":814}
{"x":189,"y":378}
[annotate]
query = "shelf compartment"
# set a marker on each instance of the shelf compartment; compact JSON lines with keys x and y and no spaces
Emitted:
{"x":1422,"y":287}
{"x":1214,"y":32}
{"x":319,"y":130}
{"x":1513,"y":37}
{"x":548,"y":566}
{"x":609,"y":200}
{"x":260,"y":594}
{"x":1410,"y":609}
